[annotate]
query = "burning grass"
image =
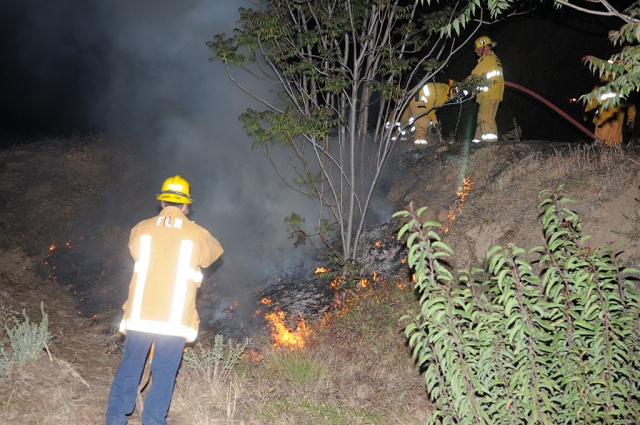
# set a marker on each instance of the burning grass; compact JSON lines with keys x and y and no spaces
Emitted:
{"x":283,"y":335}
{"x":356,"y":369}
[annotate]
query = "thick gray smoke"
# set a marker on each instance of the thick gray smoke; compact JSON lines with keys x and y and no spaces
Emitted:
{"x":183,"y":110}
{"x":141,"y":70}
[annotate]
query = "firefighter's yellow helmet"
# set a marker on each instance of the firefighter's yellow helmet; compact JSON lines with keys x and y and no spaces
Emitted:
{"x":175,"y":189}
{"x":484,"y":41}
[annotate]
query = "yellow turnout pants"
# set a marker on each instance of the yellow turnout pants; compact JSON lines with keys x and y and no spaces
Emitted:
{"x":487,"y":129}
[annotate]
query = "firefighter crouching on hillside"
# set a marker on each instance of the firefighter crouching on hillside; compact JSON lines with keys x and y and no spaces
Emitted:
{"x":489,"y":96}
{"x":426,"y":125}
{"x":168,"y":251}
{"x":609,"y":121}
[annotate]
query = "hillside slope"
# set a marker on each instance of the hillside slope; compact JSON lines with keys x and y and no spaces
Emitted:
{"x":52,"y":190}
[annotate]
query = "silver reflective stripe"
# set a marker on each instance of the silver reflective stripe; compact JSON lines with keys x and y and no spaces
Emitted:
{"x":489,"y":136}
{"x":493,"y":73}
{"x":425,"y":97}
{"x":606,"y":96}
{"x":184,"y":273}
{"x":159,"y":327}
{"x":141,"y":268}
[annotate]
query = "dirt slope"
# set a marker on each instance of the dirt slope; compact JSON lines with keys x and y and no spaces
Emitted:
{"x":505,"y":180}
{"x":51,"y":191}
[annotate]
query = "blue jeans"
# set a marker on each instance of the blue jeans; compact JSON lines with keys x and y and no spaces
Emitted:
{"x":164,"y":366}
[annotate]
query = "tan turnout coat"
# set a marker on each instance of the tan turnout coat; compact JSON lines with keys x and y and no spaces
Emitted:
{"x":169,"y":251}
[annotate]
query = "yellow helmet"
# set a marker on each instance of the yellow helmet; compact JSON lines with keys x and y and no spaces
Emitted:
{"x":484,"y":41}
{"x":175,"y":189}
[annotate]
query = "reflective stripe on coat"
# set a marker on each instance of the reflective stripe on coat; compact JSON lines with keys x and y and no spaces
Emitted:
{"x":168,"y":251}
{"x":490,"y":68}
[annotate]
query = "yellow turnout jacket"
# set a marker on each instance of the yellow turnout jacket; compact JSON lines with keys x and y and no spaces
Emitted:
{"x":169,"y":251}
{"x":490,"y":68}
{"x":432,"y":95}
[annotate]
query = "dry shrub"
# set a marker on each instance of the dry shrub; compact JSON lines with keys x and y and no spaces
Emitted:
{"x":583,"y":168}
{"x":198,"y":402}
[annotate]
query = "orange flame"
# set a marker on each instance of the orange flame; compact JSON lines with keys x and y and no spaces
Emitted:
{"x":253,"y":355}
{"x":266,"y":301}
{"x":322,"y":270}
{"x":336,"y":283}
{"x":285,"y":337}
{"x":378,"y":244}
{"x":232,"y":307}
{"x":458,"y":205}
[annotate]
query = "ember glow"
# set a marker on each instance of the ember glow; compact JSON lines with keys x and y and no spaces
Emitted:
{"x":336,"y":283}
{"x":285,"y":337}
{"x":378,"y":244}
{"x":253,"y":355}
{"x":266,"y":301}
{"x":232,"y":307}
{"x":457,"y":205}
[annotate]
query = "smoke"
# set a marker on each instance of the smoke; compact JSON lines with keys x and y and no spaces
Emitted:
{"x":184,"y":110}
{"x":141,"y":70}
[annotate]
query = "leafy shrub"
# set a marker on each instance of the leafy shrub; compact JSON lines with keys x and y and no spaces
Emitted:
{"x":28,"y":340}
{"x":554,"y":341}
{"x":214,"y":363}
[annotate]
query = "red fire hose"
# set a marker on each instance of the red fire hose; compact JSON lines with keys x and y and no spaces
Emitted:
{"x":552,"y":106}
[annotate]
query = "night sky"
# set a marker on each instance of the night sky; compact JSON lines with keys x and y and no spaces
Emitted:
{"x":128,"y":66}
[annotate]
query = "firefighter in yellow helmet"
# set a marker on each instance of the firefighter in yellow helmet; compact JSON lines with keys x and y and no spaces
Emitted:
{"x":489,"y":96}
{"x":169,"y":251}
{"x":609,"y":121}
{"x":421,"y":112}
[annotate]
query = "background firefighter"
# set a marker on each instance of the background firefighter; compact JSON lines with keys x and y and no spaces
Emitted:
{"x":609,"y":120}
{"x":489,"y":97}
{"x":169,"y":251}
{"x":422,"y":112}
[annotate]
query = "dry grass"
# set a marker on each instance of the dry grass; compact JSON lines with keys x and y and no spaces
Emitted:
{"x":356,"y":370}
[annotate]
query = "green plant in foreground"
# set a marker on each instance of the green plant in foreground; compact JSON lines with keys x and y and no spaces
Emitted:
{"x":214,"y":363}
{"x":28,"y":340}
{"x":552,"y":344}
